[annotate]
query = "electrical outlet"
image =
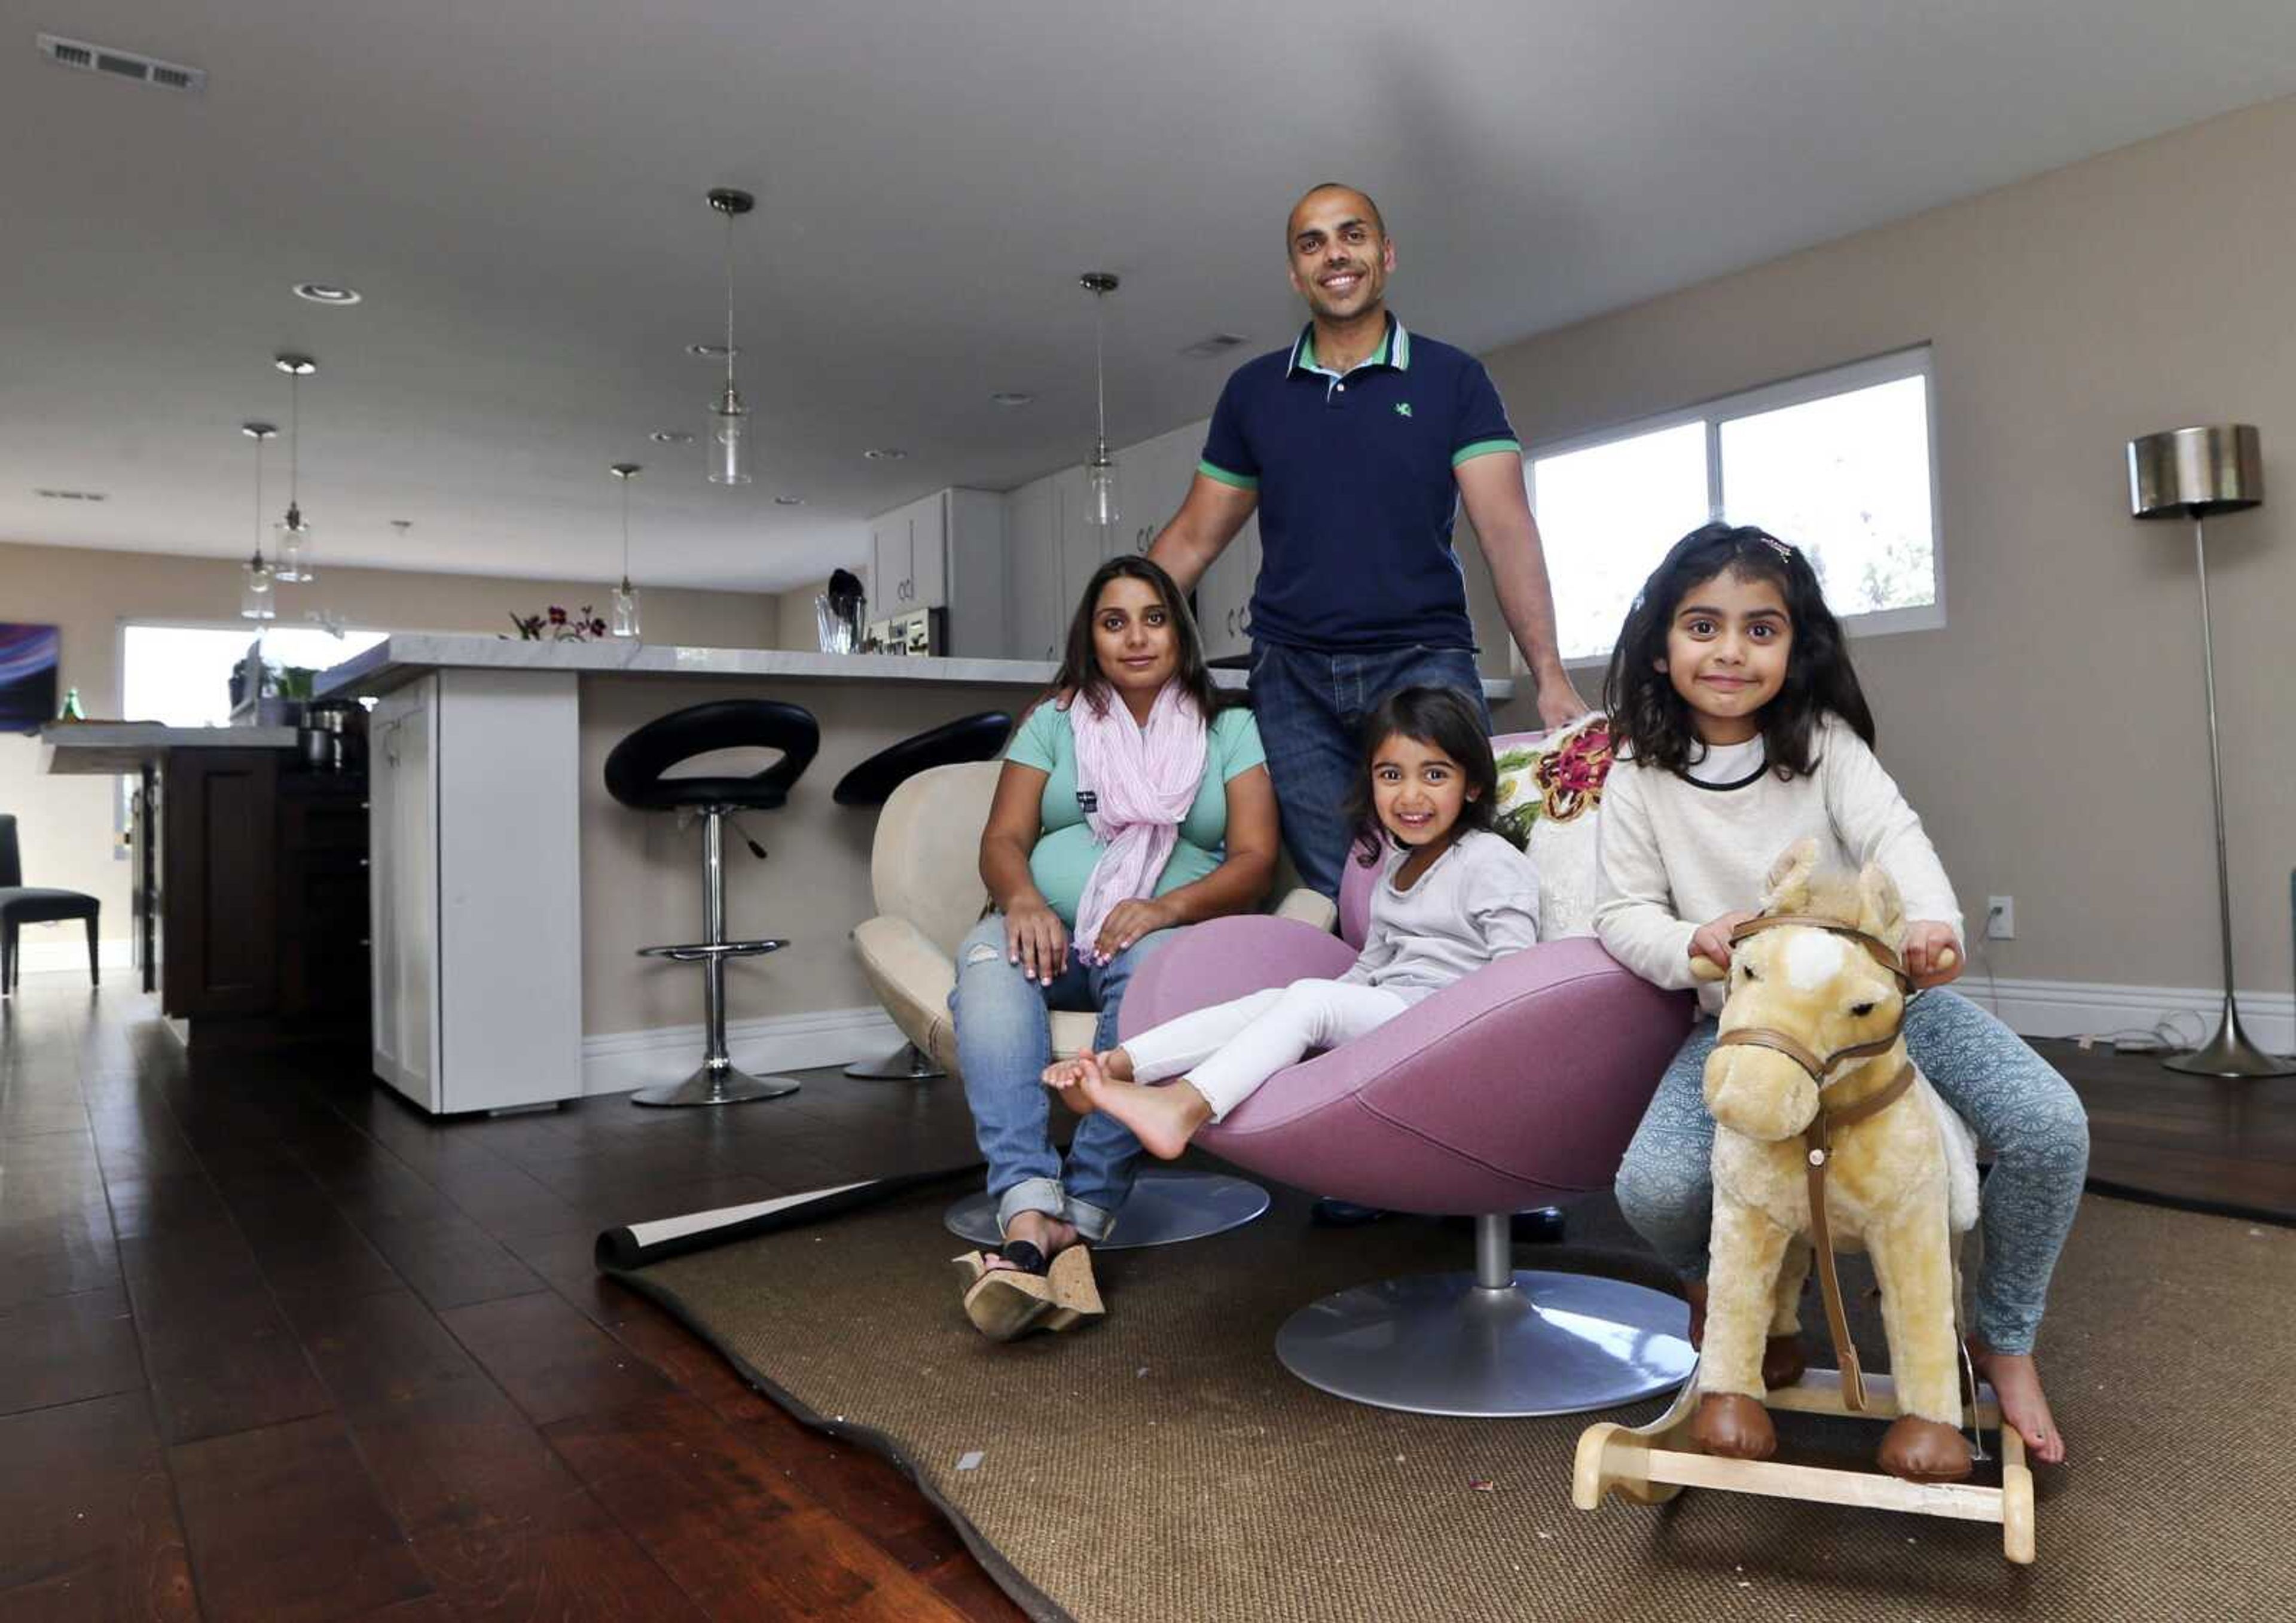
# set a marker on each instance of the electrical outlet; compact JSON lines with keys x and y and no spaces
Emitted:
{"x":2001,"y":918}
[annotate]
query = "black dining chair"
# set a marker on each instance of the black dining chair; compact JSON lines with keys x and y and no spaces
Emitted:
{"x":22,"y":904}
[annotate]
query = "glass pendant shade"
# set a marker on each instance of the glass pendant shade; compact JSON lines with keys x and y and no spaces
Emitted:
{"x":257,"y":600}
{"x":291,"y":542}
{"x":626,"y":609}
{"x":729,"y":421}
{"x":1100,"y":503}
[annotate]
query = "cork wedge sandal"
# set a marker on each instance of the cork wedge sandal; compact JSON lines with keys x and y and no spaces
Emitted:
{"x":1031,"y":1294}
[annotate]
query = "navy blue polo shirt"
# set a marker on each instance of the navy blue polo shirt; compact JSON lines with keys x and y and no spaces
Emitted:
{"x":1356,"y":494}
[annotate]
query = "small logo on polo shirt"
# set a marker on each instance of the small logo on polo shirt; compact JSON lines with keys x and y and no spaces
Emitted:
{"x":1402,"y":408}
{"x":1087,"y":801}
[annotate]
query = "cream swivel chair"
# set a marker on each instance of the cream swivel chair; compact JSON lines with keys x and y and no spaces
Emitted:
{"x":924,"y":870}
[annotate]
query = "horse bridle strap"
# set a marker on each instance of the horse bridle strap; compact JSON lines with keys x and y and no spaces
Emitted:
{"x":1879,"y":950}
{"x":1818,"y":1142}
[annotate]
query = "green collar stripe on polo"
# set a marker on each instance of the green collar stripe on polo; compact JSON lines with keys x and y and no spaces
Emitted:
{"x":1394,"y":342}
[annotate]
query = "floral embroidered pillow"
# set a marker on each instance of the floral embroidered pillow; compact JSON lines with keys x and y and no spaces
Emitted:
{"x":1550,"y":789}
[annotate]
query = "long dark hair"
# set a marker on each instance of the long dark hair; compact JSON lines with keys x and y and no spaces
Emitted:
{"x":1654,"y":721}
{"x":1442,"y":718}
{"x":1080,"y":675}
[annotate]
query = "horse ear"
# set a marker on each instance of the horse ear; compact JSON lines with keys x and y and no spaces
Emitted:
{"x":1881,"y":910}
{"x":1789,"y":890}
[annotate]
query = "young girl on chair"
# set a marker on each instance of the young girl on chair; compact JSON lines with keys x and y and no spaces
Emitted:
{"x":1740,"y":728}
{"x":1452,"y":896}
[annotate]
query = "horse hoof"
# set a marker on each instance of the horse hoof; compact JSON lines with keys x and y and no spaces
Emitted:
{"x":1734,"y":1427}
{"x":1925,"y":1451}
{"x":1782,"y":1362}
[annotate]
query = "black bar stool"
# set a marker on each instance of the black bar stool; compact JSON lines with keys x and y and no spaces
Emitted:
{"x":634,"y":776}
{"x":968,"y":738}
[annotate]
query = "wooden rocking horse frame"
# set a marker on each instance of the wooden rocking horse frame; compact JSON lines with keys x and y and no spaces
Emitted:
{"x":1651,"y":1463}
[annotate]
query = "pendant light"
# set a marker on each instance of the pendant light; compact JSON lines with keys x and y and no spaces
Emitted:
{"x":1100,"y":503}
{"x":625,"y":596}
{"x":293,"y":535}
{"x":256,"y":599}
{"x":729,"y":417}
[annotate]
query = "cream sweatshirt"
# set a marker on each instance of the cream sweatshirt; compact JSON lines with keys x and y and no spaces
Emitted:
{"x":1676,"y":854}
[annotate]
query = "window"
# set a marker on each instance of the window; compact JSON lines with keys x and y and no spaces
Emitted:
{"x":1838,"y":463}
{"x":180,"y":675}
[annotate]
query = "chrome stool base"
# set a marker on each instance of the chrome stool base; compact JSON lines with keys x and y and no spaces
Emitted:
{"x":906,"y":1063}
{"x":717,"y":1085}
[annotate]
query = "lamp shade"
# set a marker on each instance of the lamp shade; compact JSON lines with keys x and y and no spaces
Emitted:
{"x":2193,"y":474}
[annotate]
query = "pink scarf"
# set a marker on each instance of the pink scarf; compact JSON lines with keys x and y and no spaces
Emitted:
{"x":1143,"y":780}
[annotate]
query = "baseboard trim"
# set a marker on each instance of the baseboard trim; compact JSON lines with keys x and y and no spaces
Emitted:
{"x":63,"y":953}
{"x":2087,"y":1008}
{"x":617,"y":1061}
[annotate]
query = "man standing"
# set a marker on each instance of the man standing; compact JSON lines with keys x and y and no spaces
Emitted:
{"x":1357,"y":444}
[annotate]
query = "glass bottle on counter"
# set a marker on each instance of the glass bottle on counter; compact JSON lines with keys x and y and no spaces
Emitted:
{"x":72,"y":710}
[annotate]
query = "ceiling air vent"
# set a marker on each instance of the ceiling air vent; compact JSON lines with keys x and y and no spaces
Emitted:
{"x":1218,"y":343}
{"x":70,"y":495}
{"x":121,"y":64}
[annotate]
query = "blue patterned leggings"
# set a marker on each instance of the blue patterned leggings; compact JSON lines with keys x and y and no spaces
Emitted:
{"x":2020,"y":1109}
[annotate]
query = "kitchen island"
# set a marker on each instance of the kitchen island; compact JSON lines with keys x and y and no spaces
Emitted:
{"x":511,"y":893}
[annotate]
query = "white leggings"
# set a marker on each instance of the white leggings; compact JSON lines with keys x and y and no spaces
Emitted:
{"x":1230,"y":1048}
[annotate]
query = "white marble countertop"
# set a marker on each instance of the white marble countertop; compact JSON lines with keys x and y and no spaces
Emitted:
{"x":98,"y":748}
{"x":404,"y":656}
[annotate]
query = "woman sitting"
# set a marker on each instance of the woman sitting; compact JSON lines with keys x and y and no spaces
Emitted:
{"x":1131,"y":802}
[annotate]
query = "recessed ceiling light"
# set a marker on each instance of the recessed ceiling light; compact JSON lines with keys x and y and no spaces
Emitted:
{"x":884,"y":454}
{"x":711,"y":352}
{"x":70,"y":495}
{"x":402,"y":526}
{"x":295,"y":365}
{"x":670,"y":436}
{"x":788,"y":501}
{"x":1013,"y":397}
{"x":326,"y":292}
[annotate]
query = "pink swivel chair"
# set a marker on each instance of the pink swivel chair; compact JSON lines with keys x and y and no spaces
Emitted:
{"x":1517,"y":1087}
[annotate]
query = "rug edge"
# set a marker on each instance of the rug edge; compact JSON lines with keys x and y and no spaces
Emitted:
{"x":1040,"y":1606}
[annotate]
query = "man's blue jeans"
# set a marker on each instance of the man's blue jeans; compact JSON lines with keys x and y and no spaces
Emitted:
{"x":1310,"y":706}
{"x":1003,"y":1042}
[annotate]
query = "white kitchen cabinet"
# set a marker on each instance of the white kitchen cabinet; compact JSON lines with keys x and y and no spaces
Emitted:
{"x":1083,"y":545}
{"x":1032,"y":565}
{"x":944,"y":551}
{"x":476,"y":910}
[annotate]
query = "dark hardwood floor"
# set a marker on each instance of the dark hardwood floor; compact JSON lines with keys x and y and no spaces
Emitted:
{"x":273,"y":1345}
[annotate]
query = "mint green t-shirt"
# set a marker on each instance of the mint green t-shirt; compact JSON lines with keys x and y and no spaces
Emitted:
{"x":1066,"y":851}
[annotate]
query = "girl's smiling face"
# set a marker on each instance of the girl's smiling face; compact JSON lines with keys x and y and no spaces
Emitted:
{"x":1727,"y":653}
{"x":1418,"y":790}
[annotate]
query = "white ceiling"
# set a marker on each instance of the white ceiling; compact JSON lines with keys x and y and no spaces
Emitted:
{"x":516,"y":187}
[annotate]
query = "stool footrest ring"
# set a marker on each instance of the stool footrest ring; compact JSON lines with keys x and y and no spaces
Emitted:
{"x":700,"y":951}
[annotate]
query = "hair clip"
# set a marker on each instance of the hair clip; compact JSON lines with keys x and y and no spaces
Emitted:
{"x":1778,"y":546}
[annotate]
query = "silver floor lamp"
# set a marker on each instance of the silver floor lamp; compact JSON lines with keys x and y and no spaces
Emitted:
{"x":2196,"y":473}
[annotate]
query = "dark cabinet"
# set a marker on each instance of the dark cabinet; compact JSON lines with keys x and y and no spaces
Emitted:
{"x":264,"y":927}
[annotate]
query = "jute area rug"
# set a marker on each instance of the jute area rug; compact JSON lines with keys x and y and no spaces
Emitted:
{"x":1160,"y":1465}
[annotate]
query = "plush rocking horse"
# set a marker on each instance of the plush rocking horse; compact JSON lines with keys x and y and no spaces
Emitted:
{"x":1826,"y":1135}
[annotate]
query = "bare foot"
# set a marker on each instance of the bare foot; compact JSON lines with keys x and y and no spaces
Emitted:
{"x":1163,"y":1119}
{"x":1063,"y":1076}
{"x":1049,"y":1235}
{"x":2017,"y":1383}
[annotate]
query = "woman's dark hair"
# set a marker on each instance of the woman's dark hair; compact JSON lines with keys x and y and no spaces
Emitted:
{"x":1654,"y":721}
{"x":1442,"y":718}
{"x":1081,"y":673}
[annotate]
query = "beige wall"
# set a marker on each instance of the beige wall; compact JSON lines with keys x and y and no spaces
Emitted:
{"x":65,"y":823}
{"x":2052,"y":735}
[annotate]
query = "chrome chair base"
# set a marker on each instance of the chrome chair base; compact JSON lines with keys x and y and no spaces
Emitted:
{"x":906,"y":1063}
{"x":1166,"y":1207}
{"x":717,"y":1085}
{"x":1494,"y":1344}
